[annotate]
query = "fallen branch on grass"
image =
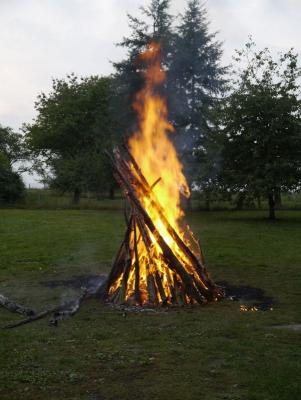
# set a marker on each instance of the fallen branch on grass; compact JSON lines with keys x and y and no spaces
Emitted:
{"x":15,"y":307}
{"x":57,"y":313}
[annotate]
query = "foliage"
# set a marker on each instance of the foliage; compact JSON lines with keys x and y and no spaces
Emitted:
{"x":11,"y":151}
{"x":260,"y":126}
{"x":11,"y":184}
{"x":196,"y":75}
{"x":198,"y":81}
{"x":155,"y":25}
{"x":11,"y":144}
{"x":191,"y":57}
{"x":73,"y":128}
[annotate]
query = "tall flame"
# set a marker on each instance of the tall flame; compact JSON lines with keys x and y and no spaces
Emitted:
{"x":151,"y":146}
{"x":157,"y":159}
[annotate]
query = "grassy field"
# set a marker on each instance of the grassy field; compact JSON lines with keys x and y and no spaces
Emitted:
{"x":212,"y":352}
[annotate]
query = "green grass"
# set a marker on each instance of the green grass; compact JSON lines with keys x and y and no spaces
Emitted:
{"x":212,"y":352}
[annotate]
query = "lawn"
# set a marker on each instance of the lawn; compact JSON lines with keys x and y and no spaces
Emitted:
{"x":211,"y":352}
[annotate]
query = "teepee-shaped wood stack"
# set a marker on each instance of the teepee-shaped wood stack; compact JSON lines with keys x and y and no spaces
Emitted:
{"x":152,"y":268}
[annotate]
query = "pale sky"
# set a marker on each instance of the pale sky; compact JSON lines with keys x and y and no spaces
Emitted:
{"x":41,"y":39}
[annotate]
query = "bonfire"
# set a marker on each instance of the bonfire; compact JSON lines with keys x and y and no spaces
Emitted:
{"x":159,"y":261}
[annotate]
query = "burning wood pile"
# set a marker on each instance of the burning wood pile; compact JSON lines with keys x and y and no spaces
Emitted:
{"x":159,"y":261}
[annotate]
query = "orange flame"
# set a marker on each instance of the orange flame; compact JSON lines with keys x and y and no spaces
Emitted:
{"x":151,"y":146}
{"x":156,"y":156}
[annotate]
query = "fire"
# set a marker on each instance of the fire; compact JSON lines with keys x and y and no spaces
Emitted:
{"x":151,"y":146}
{"x":150,"y":278}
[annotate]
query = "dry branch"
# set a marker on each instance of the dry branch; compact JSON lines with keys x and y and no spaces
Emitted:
{"x":137,"y":266}
{"x":15,"y":307}
{"x":58,"y":312}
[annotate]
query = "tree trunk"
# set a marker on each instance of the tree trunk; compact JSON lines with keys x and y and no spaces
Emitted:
{"x":76,"y":196}
{"x":259,"y":202}
{"x":207,"y":201}
{"x":271,"y":206}
{"x":112,"y":193}
{"x":240,"y":201}
{"x":99,"y":195}
{"x":278,"y":200}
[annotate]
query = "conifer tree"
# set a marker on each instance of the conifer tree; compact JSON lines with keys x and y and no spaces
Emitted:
{"x":154,"y":25}
{"x":197,"y":81}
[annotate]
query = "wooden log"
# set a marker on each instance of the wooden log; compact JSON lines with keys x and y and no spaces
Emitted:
{"x":126,"y":213}
{"x":123,"y":288}
{"x":160,"y":287}
{"x":180,"y":296}
{"x":147,"y":191}
{"x":33,"y":318}
{"x":137,"y":266}
{"x":114,"y":295}
{"x":69,"y":309}
{"x":151,"y":289}
{"x":144,"y":233}
{"x":173,"y":298}
{"x":168,"y":254}
{"x":118,"y":265}
{"x":199,"y":288}
{"x":59,"y":312}
{"x":155,"y":183}
{"x":15,"y":307}
{"x":199,"y":265}
{"x":127,"y":265}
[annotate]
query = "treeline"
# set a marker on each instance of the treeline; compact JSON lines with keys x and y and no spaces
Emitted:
{"x":238,"y":129}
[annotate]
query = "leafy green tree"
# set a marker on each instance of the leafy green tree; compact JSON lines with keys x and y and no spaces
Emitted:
{"x":208,"y":160}
{"x":260,"y":126}
{"x":11,"y":144}
{"x":11,"y":152}
{"x":68,"y":137}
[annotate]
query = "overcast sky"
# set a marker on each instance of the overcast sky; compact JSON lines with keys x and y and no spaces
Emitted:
{"x":41,"y":39}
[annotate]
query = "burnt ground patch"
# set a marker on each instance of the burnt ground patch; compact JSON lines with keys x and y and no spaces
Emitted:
{"x":76,"y":282}
{"x":248,"y":295}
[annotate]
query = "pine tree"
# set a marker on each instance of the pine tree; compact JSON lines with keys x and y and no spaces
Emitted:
{"x":197,"y":80}
{"x":128,"y":77}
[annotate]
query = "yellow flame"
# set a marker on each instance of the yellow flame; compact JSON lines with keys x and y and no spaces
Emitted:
{"x":157,"y":158}
{"x":151,"y":146}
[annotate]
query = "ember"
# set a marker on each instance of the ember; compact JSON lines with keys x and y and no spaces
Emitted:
{"x":159,"y":261}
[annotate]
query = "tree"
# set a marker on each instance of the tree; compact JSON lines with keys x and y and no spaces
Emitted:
{"x":197,"y":80}
{"x":157,"y":27}
{"x":260,"y":126}
{"x":73,"y":127}
{"x":11,"y":151}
